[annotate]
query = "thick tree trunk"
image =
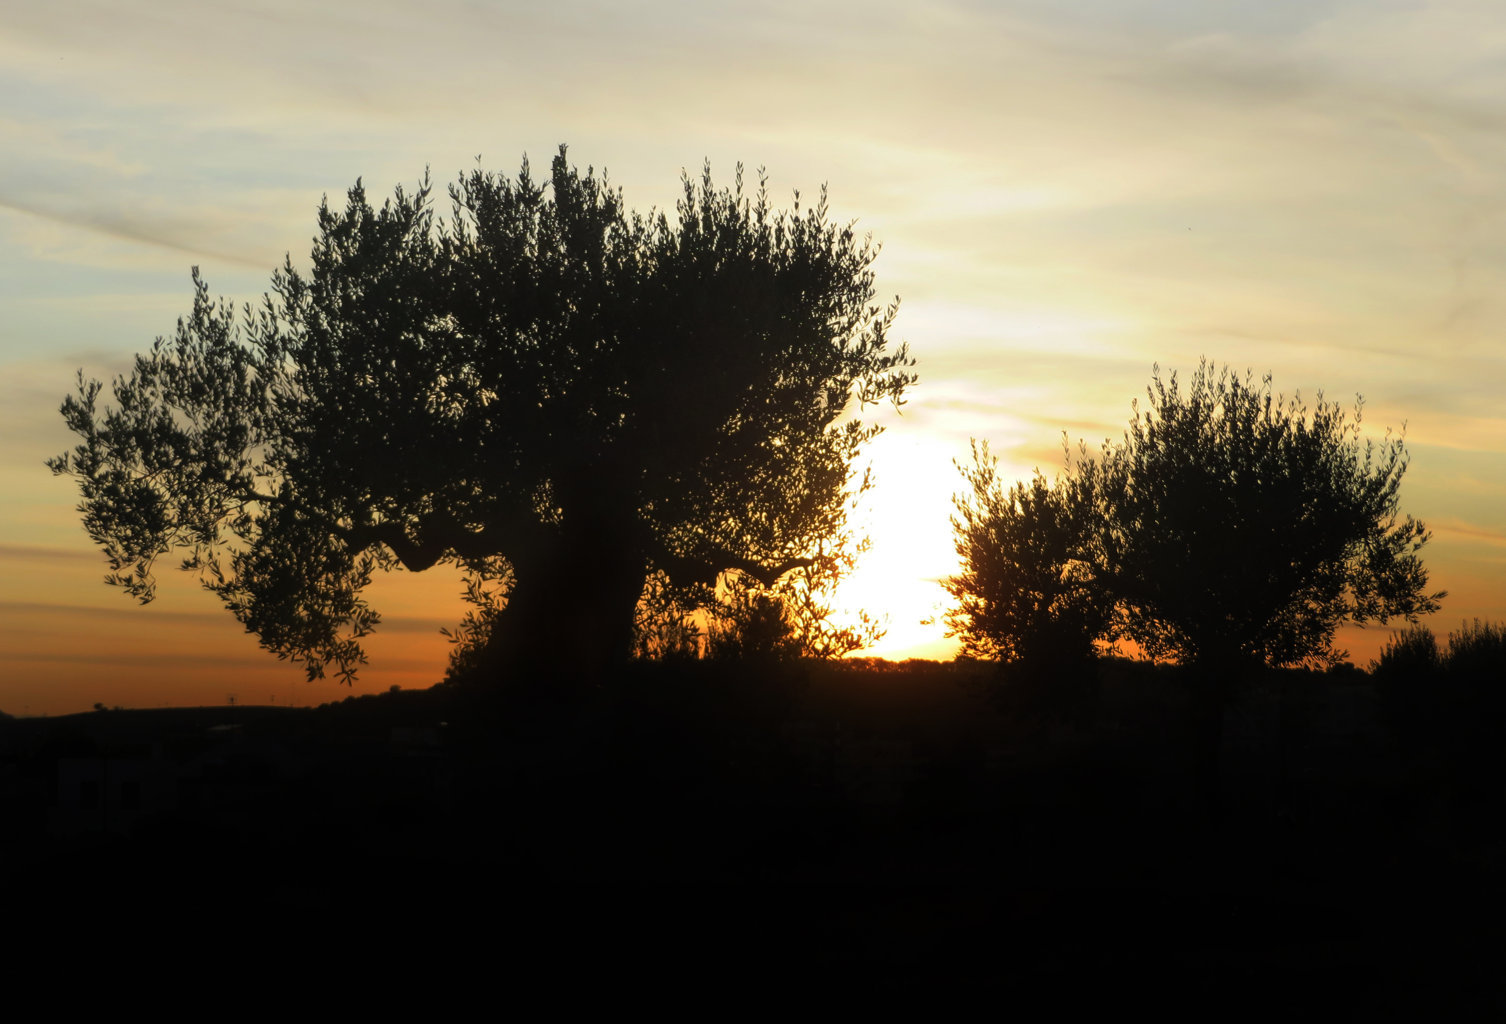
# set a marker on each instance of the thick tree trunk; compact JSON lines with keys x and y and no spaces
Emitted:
{"x":566,"y":627}
{"x":569,"y":620}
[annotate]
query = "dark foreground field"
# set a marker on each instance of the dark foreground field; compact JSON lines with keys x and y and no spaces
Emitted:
{"x":885,"y":823}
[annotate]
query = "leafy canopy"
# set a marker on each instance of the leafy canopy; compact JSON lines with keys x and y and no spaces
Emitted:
{"x":559,"y":396}
{"x":1230,"y":525}
{"x":1026,"y":592}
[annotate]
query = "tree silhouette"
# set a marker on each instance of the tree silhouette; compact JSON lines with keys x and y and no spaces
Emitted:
{"x":1231,"y":528}
{"x":1026,"y":592}
{"x":559,"y":396}
{"x":1026,"y":596}
{"x":1238,"y":528}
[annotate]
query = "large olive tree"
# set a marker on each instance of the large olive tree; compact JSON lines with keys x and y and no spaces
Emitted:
{"x":560,"y":396}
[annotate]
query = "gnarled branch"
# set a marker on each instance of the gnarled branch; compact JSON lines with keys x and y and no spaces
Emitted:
{"x":685,"y":570}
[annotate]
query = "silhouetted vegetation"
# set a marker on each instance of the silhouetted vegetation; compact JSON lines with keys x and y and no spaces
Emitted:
{"x":1447,"y":705}
{"x":1026,"y":596}
{"x":1240,"y":527}
{"x":561,"y":397}
{"x":1231,"y":529}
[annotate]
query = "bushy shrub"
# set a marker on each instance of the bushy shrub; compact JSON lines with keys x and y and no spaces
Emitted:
{"x":755,"y":626}
{"x":1410,"y":652}
{"x":1406,"y":679}
{"x":1448,"y":703}
{"x":1478,"y":651}
{"x":1474,"y":717}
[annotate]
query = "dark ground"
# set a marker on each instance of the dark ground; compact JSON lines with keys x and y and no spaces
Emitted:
{"x":887,"y":825}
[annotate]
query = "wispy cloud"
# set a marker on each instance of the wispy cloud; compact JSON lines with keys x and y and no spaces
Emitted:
{"x":144,"y":228}
{"x":1469,"y":532}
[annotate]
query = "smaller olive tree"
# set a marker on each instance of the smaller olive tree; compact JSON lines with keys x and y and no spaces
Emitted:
{"x":1026,"y":592}
{"x":1231,"y":528}
{"x":1240,"y":527}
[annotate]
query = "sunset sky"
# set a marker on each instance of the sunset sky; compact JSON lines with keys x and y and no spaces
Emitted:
{"x":1066,"y":192}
